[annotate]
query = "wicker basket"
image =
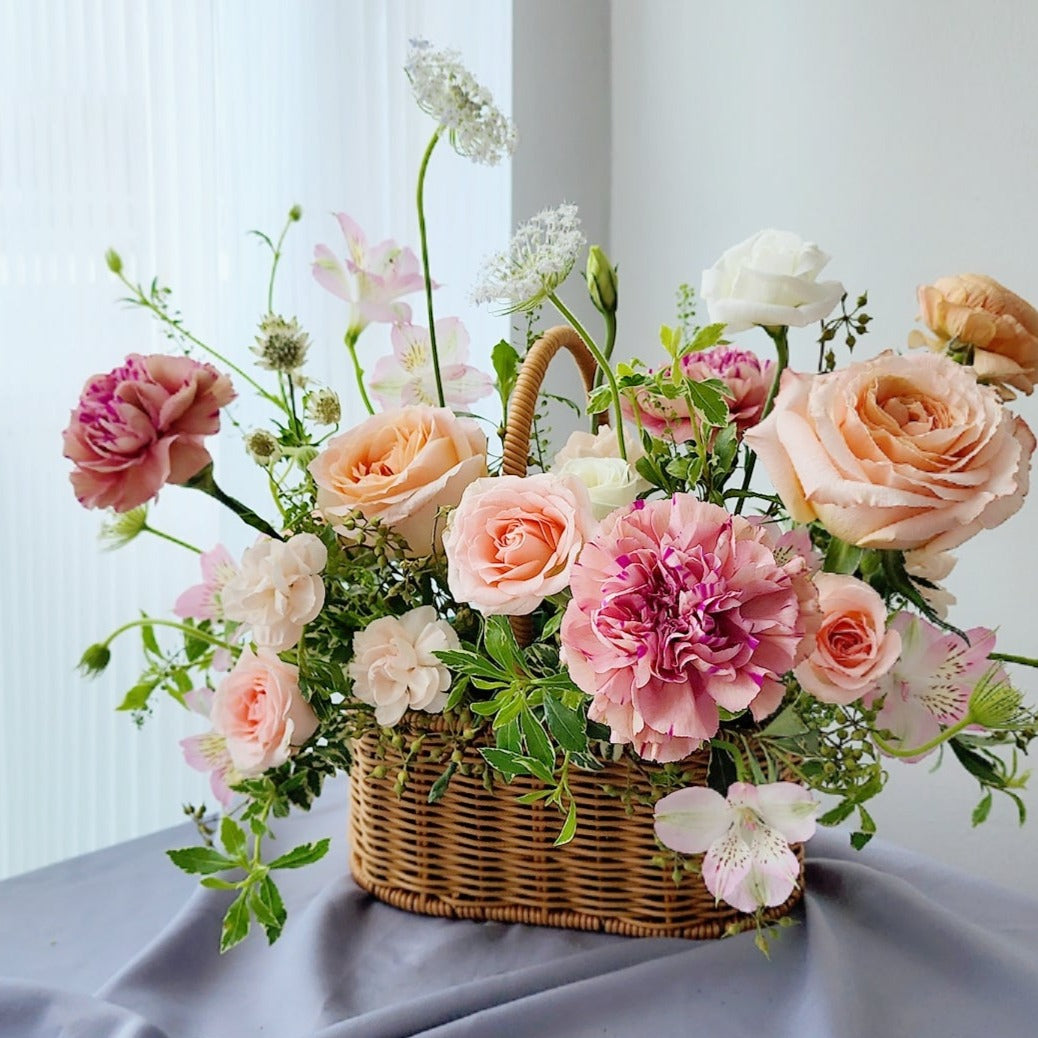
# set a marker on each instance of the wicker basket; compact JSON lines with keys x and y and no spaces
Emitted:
{"x":479,"y":854}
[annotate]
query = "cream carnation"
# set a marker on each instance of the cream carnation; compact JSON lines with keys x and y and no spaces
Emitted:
{"x":394,"y":667}
{"x":277,"y":590}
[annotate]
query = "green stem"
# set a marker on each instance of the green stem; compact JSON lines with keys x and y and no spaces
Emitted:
{"x":169,"y":537}
{"x":425,"y":264}
{"x":351,"y":345}
{"x":274,"y":265}
{"x":1008,"y":657}
{"x":610,"y":323}
{"x":205,"y":482}
{"x":778,"y":335}
{"x":948,"y":733}
{"x":148,"y":621}
{"x":603,"y":365}
{"x":142,"y":300}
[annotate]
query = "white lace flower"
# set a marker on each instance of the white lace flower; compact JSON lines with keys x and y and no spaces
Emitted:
{"x":447,"y":91}
{"x":537,"y":261}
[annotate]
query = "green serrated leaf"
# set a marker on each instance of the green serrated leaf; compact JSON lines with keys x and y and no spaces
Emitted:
{"x":983,"y":809}
{"x":509,"y":737}
{"x":599,"y":400}
{"x":138,"y":696}
{"x":537,"y":742}
{"x":569,"y":826}
{"x":860,"y":839}
{"x":232,"y":836}
{"x":215,"y":883}
{"x":235,"y":922}
{"x":709,"y":401}
{"x":565,"y":724}
{"x":505,"y":360}
{"x":457,"y":693}
{"x":304,"y":854}
{"x":504,"y":761}
{"x":200,"y":860}
{"x":785,"y":724}
{"x":500,"y":643}
{"x":843,"y":810}
{"x":706,"y":338}
{"x":269,"y":909}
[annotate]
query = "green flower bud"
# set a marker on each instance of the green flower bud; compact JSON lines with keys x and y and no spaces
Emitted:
{"x":601,"y":281}
{"x":995,"y":704}
{"x":94,"y":660}
{"x":295,"y":214}
{"x":123,"y":527}
{"x":114,"y":261}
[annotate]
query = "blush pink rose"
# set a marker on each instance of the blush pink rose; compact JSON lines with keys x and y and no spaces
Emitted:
{"x":853,"y":647}
{"x":1001,"y":327}
{"x":261,"y":713}
{"x":747,"y":377}
{"x":895,"y":452}
{"x":512,"y":541}
{"x":142,"y":426}
{"x":401,"y":467}
{"x":679,"y":609}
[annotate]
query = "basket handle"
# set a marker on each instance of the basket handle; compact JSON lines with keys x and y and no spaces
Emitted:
{"x":521,"y":408}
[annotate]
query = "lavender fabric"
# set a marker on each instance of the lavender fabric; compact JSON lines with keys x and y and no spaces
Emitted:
{"x":118,"y":944}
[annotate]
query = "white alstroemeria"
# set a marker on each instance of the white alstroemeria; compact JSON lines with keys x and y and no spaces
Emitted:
{"x":539,"y":258}
{"x":447,"y":91}
{"x":407,"y":377}
{"x":746,"y":836}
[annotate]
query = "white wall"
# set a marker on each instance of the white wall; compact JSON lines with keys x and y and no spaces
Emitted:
{"x":901,"y":137}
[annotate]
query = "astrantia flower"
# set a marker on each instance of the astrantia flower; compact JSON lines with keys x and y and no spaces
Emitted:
{"x":539,"y":259}
{"x":204,"y":601}
{"x":394,"y":666}
{"x":746,"y":836}
{"x":447,"y":91}
{"x":323,"y":406}
{"x":407,"y":376}
{"x":373,"y":279}
{"x":930,"y":684}
{"x":281,"y":345}
{"x":262,"y":446}
{"x":678,"y":609}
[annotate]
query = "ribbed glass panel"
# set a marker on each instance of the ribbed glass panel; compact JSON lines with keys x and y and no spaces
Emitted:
{"x":167,"y":130}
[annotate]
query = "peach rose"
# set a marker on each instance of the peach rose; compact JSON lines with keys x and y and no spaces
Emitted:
{"x":401,"y":467}
{"x":1000,"y":326}
{"x":260,"y":711}
{"x":895,"y":452}
{"x":512,"y":541}
{"x":141,"y":426}
{"x":853,"y":648}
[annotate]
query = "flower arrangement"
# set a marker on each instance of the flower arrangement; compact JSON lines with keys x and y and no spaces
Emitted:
{"x":798,"y":640}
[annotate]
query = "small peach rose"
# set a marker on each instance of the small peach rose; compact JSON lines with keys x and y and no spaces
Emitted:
{"x":260,"y":711}
{"x":512,"y":541}
{"x":895,"y":452}
{"x":400,"y":467}
{"x":394,"y":667}
{"x":1000,"y":326}
{"x":853,"y":648}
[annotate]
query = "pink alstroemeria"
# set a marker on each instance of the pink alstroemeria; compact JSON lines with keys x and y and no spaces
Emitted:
{"x":203,"y":601}
{"x":372,"y":280}
{"x":208,"y":752}
{"x":930,"y":684}
{"x":746,"y":836}
{"x":407,"y":376}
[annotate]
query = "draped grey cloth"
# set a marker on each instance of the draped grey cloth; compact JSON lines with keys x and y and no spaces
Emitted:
{"x":119,"y":944}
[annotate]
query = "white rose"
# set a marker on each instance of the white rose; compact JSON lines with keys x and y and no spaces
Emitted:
{"x":277,"y":590}
{"x":393,"y":667}
{"x":611,"y":482}
{"x":770,"y":279}
{"x":598,"y":445}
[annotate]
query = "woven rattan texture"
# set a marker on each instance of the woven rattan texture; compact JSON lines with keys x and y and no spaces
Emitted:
{"x":481,"y":855}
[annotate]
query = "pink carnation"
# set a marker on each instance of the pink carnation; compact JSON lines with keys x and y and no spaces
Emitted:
{"x":679,"y":608}
{"x":142,"y":426}
{"x":747,"y":377}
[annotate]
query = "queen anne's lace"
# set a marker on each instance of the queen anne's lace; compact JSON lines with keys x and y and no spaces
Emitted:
{"x":537,"y":261}
{"x":447,"y":91}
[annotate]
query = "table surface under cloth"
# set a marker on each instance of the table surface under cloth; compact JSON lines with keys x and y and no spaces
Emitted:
{"x":120,"y":944}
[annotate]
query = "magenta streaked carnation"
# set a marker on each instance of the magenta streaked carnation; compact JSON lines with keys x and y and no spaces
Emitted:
{"x":141,"y":426}
{"x":679,"y":609}
{"x":747,"y":377}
